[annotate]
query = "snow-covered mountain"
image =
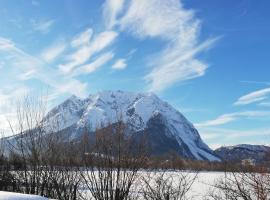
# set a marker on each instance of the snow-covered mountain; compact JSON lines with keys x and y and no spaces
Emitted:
{"x":166,"y":127}
{"x":237,"y":153}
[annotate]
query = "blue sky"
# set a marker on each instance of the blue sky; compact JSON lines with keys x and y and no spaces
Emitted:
{"x":210,"y":59}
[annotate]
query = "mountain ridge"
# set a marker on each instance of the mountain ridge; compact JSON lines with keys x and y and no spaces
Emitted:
{"x":237,"y":153}
{"x":142,"y":112}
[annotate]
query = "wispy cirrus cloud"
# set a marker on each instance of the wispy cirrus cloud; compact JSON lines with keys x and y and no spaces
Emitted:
{"x":253,"y":97}
{"x":43,"y":26}
{"x":5,"y":44}
{"x":26,"y":75}
{"x":83,"y":38}
{"x":217,"y":137}
{"x":52,"y":52}
{"x":111,"y":10}
{"x":265,"y":104}
{"x":119,"y":64}
{"x":9,"y":95}
{"x":157,"y":18}
{"x":93,"y":66}
{"x":227,"y":118}
{"x":176,"y":65}
{"x":86,"y":51}
{"x":179,"y":28}
{"x":27,"y":66}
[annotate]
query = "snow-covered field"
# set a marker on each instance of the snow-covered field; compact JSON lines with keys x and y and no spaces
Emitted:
{"x":17,"y":196}
{"x":204,"y":184}
{"x":198,"y":191}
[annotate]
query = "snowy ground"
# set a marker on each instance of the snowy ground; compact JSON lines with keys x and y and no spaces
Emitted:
{"x":204,"y":184}
{"x":199,"y":189}
{"x":17,"y":196}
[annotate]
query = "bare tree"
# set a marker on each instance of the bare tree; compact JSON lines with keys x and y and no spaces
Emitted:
{"x":27,"y":144}
{"x":112,"y":164}
{"x":242,"y":185}
{"x":7,"y":181}
{"x":165,"y":185}
{"x":43,"y":163}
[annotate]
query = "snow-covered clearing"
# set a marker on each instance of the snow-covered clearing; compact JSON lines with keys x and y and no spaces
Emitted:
{"x":199,"y":189}
{"x":201,"y":186}
{"x":204,"y":184}
{"x":17,"y":196}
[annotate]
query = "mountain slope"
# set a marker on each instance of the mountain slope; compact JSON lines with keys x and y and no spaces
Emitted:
{"x":237,"y":153}
{"x":167,"y":129}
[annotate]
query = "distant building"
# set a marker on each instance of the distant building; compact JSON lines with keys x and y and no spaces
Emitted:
{"x":248,"y":162}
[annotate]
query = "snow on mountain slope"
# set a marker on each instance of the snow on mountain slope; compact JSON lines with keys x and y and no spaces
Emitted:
{"x":135,"y":109}
{"x":65,"y":114}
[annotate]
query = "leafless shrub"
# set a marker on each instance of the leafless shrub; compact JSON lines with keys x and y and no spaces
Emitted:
{"x":168,"y":185}
{"x":6,"y":177}
{"x":111,"y":166}
{"x":42,"y":163}
{"x":26,"y":146}
{"x":242,"y":185}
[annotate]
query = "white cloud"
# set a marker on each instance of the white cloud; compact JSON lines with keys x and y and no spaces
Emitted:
{"x":43,"y":26}
{"x":169,"y":21}
{"x":8,"y":98}
{"x":103,"y":40}
{"x":27,"y":75}
{"x":6,"y":44}
{"x":174,"y":65}
{"x":120,"y":64}
{"x":226,"y":118}
{"x":28,"y":66}
{"x":85,"y":52}
{"x":153,"y":18}
{"x":265,"y":104}
{"x":83,"y":38}
{"x":217,"y":137}
{"x":253,"y":97}
{"x":11,"y":97}
{"x":51,"y":53}
{"x":111,"y":10}
{"x":12,"y":92}
{"x":96,"y":64}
